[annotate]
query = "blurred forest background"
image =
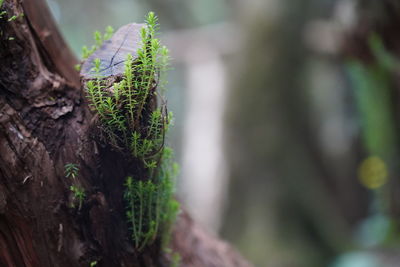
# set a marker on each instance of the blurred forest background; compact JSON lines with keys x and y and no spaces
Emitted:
{"x":286,"y":118}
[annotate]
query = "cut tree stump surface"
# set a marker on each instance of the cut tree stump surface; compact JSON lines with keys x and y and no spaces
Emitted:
{"x":113,"y":52}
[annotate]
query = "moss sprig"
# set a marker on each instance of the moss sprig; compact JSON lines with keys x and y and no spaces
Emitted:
{"x":151,"y":207}
{"x":71,"y":170}
{"x":99,"y":39}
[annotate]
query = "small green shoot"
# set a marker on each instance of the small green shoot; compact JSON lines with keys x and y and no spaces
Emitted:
{"x":71,"y":170}
{"x":175,"y":259}
{"x":109,"y":33}
{"x":2,"y":13}
{"x":15,"y":17}
{"x":99,"y":39}
{"x":79,"y":196}
{"x":151,"y":207}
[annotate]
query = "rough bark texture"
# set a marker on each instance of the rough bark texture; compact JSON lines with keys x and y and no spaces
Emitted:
{"x":44,"y":124}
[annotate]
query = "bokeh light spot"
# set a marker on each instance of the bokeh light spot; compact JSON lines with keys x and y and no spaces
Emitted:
{"x":373,"y":172}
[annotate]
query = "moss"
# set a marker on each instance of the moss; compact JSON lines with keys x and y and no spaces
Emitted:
{"x":134,"y":125}
{"x":71,"y":170}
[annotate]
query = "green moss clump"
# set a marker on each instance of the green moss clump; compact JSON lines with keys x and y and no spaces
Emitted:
{"x":133,"y":124}
{"x":151,"y":209}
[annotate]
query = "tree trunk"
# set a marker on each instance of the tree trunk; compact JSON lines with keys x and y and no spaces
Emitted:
{"x":45,"y":124}
{"x":278,"y":155}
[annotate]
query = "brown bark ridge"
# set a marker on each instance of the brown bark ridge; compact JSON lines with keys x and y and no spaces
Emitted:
{"x":44,"y":124}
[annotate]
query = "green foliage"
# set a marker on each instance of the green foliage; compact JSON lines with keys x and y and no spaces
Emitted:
{"x":79,"y":196}
{"x":15,"y":17}
{"x":128,"y":123}
{"x":12,"y":18}
{"x":2,"y":13}
{"x":382,"y":56}
{"x":151,"y":209}
{"x":99,"y":39}
{"x":143,"y":208}
{"x":175,"y":260}
{"x":93,"y":263}
{"x":166,"y":174}
{"x":132,"y":124}
{"x":71,"y":170}
{"x":372,"y":91}
{"x":109,"y":31}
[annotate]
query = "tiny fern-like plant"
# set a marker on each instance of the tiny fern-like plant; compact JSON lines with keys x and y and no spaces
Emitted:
{"x":78,"y":196}
{"x":71,"y":170}
{"x":2,"y":12}
{"x":98,"y":39}
{"x":134,"y":120}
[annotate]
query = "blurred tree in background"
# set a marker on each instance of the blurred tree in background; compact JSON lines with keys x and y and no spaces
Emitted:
{"x":298,"y":191}
{"x":307,"y":127}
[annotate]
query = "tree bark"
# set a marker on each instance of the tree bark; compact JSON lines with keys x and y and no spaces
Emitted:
{"x":44,"y":124}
